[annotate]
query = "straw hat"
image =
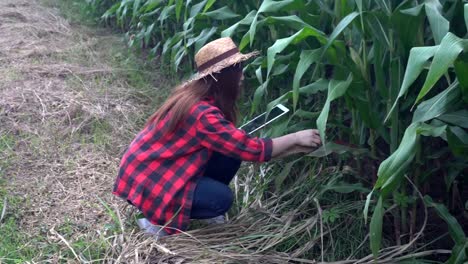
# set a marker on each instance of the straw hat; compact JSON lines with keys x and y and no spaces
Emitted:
{"x":217,"y":55}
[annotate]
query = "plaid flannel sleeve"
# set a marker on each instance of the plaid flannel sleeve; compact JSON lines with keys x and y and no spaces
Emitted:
{"x":215,"y":132}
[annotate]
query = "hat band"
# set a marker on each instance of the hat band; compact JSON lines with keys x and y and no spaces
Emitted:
{"x":217,"y":59}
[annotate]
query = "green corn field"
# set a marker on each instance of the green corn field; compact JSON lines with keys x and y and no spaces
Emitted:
{"x":385,"y":82}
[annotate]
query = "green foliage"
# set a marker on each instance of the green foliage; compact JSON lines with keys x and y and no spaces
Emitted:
{"x":376,"y":227}
{"x":14,"y":246}
{"x":335,"y":89}
{"x":459,"y":254}
{"x":375,"y":59}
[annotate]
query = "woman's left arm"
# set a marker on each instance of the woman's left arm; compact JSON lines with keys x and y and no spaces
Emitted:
{"x":214,"y":132}
{"x":219,"y":134}
{"x":298,"y":142}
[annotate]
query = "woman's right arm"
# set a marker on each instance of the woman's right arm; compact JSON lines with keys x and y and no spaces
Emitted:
{"x":301,"y":141}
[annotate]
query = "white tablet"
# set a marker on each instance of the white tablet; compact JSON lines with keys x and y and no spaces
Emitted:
{"x":263,"y":120}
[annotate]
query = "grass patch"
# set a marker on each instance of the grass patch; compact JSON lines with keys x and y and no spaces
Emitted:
{"x":10,"y":74}
{"x":75,"y":11}
{"x":14,"y":247}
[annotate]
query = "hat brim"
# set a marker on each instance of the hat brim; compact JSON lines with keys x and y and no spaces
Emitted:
{"x":216,"y":68}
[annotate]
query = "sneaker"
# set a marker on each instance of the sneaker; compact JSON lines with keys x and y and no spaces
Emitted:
{"x":220,"y":219}
{"x":151,"y":229}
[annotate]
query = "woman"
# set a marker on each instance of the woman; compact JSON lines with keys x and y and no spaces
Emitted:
{"x":180,"y":165}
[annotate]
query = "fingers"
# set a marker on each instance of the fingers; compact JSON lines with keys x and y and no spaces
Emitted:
{"x":309,"y":138}
{"x":315,"y":138}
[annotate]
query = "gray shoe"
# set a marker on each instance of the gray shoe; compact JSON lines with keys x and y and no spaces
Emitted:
{"x":220,"y":219}
{"x":151,"y":229}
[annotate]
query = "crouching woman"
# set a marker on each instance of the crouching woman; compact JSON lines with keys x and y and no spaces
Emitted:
{"x":179,"y":166}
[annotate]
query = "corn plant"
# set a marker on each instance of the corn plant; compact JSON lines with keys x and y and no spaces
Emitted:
{"x":388,"y":77}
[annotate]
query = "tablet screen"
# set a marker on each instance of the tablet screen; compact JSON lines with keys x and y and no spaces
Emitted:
{"x":262,"y":120}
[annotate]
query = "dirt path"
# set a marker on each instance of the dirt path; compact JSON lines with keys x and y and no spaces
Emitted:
{"x":66,"y":115}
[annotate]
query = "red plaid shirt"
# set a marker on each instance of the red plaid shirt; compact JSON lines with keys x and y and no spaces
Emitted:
{"x":158,"y":172}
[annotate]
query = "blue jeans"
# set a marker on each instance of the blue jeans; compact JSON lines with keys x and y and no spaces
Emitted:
{"x":212,"y":195}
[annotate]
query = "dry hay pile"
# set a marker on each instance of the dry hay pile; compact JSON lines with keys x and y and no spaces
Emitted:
{"x":256,"y":234}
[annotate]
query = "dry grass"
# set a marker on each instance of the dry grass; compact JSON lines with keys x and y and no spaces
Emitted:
{"x":72,"y":113}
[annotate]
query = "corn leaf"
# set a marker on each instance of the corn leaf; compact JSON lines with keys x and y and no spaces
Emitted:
{"x":221,"y":14}
{"x":385,"y":6}
{"x":359,"y":5}
{"x":179,"y":5}
{"x":266,"y":6}
{"x":461,"y":70}
{"x":208,"y":5}
{"x":455,"y":230}
{"x":379,"y":30}
{"x":150,"y":5}
{"x":203,"y":37}
{"x":391,"y":169}
{"x":335,"y":90}
{"x":283,"y":43}
{"x":417,"y":60}
{"x":170,"y":42}
{"x":165,"y":13}
{"x":273,"y":6}
{"x":260,"y":91}
{"x":339,"y":28}
{"x":188,"y":24}
{"x":400,"y":160}
{"x":197,"y":8}
{"x":454,"y":170}
{"x":376,"y":227}
{"x":413,"y":11}
{"x":458,"y":118}
{"x":306,"y":59}
{"x":439,"y":25}
{"x":177,"y":50}
{"x":466,"y":15}
{"x":315,"y":87}
{"x":247,"y":20}
{"x":279,"y":100}
{"x":458,"y":141}
{"x":306,"y":114}
{"x":449,"y":49}
{"x":458,"y":254}
{"x":136,"y":7}
{"x":111,"y":11}
{"x":444,"y":102}
{"x":280,"y":69}
{"x":148,"y":33}
{"x":312,"y":88}
{"x":332,"y":147}
{"x":365,"y":212}
{"x":293,"y":21}
{"x":149,"y":14}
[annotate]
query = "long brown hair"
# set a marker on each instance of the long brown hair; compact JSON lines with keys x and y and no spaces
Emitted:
{"x":223,"y":87}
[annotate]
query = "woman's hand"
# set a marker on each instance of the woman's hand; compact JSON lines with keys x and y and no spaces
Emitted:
{"x":309,"y":138}
{"x":303,"y":141}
